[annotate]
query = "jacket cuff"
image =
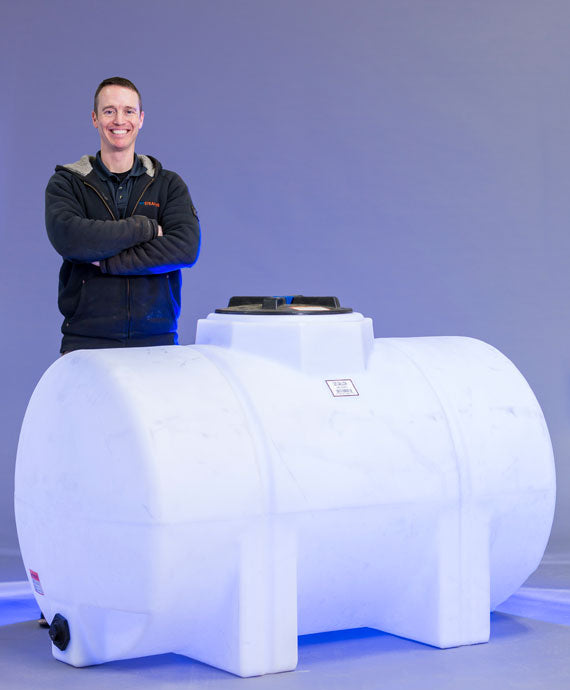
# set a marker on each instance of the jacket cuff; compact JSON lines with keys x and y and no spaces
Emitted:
{"x":103,"y":265}
{"x":154,"y":226}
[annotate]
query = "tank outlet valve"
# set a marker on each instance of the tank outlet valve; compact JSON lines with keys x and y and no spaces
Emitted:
{"x":59,"y":632}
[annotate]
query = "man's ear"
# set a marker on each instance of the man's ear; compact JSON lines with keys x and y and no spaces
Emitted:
{"x":142,"y":118}
{"x":94,"y":119}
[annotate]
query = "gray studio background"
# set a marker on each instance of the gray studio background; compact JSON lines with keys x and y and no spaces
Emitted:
{"x":409,"y":156}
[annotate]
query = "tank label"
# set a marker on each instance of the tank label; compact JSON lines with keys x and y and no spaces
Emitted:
{"x":36,"y":582}
{"x":341,"y":388}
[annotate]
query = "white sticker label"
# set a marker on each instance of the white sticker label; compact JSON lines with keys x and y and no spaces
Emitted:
{"x":36,"y":582}
{"x":341,"y":388}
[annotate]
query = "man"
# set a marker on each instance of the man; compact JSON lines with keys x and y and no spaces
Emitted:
{"x":124,"y":227}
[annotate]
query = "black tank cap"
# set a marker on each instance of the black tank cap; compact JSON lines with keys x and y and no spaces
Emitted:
{"x":284,"y":304}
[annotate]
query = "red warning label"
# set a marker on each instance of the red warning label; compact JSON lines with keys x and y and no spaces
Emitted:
{"x":36,"y":582}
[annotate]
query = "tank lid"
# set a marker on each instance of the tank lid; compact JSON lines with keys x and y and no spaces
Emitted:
{"x":284,"y":304}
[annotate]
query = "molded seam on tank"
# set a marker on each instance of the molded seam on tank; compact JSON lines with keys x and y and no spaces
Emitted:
{"x":264,"y":450}
{"x":263,"y":447}
{"x":464,"y":485}
{"x":133,"y":416}
{"x":454,"y":434}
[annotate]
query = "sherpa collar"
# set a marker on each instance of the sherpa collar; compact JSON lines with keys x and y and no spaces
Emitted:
{"x":84,"y":165}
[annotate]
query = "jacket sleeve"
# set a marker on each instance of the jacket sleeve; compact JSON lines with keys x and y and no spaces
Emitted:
{"x":177,"y":248}
{"x":81,"y":239}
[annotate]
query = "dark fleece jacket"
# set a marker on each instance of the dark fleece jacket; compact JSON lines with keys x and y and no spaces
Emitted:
{"x":133,"y":297}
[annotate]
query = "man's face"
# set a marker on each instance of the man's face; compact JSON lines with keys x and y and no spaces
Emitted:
{"x":118,"y":118}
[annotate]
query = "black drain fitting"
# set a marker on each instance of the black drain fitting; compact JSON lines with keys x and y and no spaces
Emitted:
{"x":59,"y":632}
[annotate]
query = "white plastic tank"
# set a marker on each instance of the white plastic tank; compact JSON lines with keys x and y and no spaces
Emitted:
{"x":288,"y":474}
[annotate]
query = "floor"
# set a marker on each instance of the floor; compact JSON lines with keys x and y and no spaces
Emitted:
{"x":529,"y":648}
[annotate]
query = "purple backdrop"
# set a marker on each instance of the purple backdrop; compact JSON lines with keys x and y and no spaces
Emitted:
{"x":407,"y":156}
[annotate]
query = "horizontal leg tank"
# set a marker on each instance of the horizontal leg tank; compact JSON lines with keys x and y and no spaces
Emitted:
{"x":285,"y":475}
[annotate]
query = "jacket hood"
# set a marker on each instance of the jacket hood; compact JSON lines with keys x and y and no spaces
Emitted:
{"x":84,"y":166}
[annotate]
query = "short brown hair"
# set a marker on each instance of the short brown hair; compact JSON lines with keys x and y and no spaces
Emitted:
{"x":116,"y":81}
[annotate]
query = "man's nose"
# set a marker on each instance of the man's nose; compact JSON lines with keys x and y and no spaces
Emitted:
{"x":119,"y":117}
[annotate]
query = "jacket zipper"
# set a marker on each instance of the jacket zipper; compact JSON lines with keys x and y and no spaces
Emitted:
{"x":101,"y":197}
{"x":113,"y":217}
{"x":128,"y":279}
{"x":141,"y":196}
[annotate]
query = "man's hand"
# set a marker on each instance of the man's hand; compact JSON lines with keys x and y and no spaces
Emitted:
{"x":95,"y":263}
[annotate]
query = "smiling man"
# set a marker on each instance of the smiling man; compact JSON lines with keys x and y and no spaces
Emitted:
{"x":124,"y":227}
